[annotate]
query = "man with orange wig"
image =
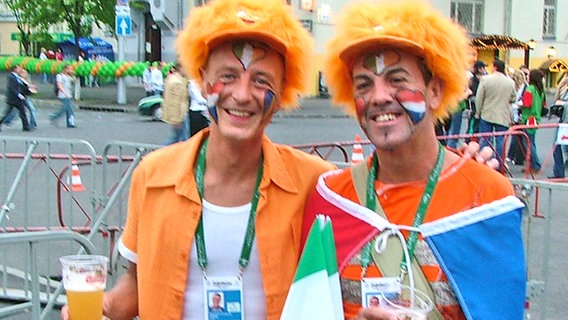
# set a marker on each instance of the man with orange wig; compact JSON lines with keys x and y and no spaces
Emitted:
{"x":400,"y":66}
{"x":221,"y":212}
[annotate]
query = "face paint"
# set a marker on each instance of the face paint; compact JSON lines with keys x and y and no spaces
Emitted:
{"x":359,"y":107}
{"x":413,"y":102}
{"x":269,"y":100}
{"x":213,"y":91}
{"x":247,"y":53}
{"x":378,"y":62}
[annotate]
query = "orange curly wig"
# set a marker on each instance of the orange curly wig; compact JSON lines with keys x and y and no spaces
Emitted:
{"x":413,"y":25}
{"x":268,"y":21}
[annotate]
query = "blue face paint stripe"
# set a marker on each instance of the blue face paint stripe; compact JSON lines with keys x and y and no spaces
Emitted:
{"x":268,"y":100}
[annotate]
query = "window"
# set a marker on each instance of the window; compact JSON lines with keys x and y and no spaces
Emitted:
{"x":468,"y":14}
{"x":549,"y":20}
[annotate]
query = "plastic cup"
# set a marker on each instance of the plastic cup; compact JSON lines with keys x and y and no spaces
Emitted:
{"x":410,"y":304}
{"x":84,"y":280}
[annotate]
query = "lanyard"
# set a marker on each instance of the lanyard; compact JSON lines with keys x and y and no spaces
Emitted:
{"x":199,"y":234}
{"x":420,"y":212}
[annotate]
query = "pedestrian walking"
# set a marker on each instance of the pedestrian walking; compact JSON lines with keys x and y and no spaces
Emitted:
{"x":493,"y":101}
{"x":15,"y":97}
{"x":64,"y":82}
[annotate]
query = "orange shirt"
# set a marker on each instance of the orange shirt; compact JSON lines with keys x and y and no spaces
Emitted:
{"x":164,"y":210}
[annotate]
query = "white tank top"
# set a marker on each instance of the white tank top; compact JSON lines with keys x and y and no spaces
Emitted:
{"x":224,"y":231}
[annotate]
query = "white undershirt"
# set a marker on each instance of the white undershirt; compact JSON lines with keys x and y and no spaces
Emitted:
{"x":224,"y":231}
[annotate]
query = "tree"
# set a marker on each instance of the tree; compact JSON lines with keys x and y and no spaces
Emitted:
{"x":78,"y":15}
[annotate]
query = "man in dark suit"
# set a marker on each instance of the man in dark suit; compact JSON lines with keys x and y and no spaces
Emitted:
{"x":15,"y":97}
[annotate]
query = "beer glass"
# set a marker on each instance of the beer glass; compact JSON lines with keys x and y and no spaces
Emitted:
{"x":84,"y":280}
{"x":410,"y":304}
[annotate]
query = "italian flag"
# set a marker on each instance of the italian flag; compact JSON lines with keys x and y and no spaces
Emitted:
{"x":316,"y":293}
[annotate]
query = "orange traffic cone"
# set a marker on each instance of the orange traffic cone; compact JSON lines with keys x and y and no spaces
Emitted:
{"x":357,"y":155}
{"x":76,"y":184}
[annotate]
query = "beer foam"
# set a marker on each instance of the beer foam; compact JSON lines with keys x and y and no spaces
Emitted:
{"x":84,"y":282}
{"x":83,"y":287}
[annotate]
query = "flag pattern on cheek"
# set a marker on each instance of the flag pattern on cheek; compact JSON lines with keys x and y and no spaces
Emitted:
{"x":247,"y":53}
{"x":359,"y":107}
{"x":213,"y":90}
{"x":413,"y":102}
{"x":377,"y":62}
{"x":269,"y":100}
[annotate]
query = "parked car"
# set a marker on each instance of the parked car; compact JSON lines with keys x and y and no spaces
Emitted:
{"x":151,"y":106}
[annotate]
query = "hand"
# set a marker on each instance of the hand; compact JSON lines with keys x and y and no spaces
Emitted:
{"x":65,"y":312}
{"x":484,"y":155}
{"x":375,"y":313}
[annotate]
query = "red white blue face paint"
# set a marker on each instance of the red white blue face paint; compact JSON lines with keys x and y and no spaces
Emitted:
{"x":360,"y":107}
{"x":378,"y":62}
{"x":413,"y":102}
{"x":247,"y":53}
{"x":213,"y":91}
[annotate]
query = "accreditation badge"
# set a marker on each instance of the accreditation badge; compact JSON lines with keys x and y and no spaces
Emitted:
{"x":224,"y":297}
{"x":375,"y":290}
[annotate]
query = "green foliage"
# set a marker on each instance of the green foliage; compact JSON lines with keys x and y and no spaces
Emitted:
{"x":78,"y":15}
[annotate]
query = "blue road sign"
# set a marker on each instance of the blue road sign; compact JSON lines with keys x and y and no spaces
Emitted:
{"x":123,"y":26}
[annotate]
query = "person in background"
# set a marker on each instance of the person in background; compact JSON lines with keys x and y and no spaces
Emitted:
{"x":94,"y":79}
{"x":156,"y":79}
{"x":493,"y":101}
{"x":400,"y":66}
{"x":147,"y":81}
{"x":533,"y":102}
{"x":198,"y":115}
{"x":16,"y":97}
{"x":456,"y":119}
{"x":65,"y":82}
{"x":515,"y":154}
{"x":29,"y":89}
{"x":175,"y":106}
{"x":59,"y":55}
{"x":479,"y":70}
{"x":42,"y":57}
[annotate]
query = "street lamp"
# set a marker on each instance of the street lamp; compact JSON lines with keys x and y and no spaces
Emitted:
{"x":531,"y":45}
{"x":551,"y":52}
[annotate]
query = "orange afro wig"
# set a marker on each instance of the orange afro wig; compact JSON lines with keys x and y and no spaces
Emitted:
{"x":412,"y":25}
{"x":268,"y":21}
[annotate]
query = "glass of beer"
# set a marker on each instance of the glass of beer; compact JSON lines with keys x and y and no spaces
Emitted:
{"x":84,"y":280}
{"x":409,"y":304}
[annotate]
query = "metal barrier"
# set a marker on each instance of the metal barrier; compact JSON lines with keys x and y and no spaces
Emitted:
{"x":30,"y":275}
{"x":38,"y":197}
{"x":33,"y":175}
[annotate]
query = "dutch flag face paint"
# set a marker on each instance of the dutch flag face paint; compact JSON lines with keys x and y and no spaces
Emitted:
{"x":413,"y":102}
{"x":213,"y":91}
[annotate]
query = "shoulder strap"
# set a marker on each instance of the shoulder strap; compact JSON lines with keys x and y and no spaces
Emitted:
{"x":388,"y":262}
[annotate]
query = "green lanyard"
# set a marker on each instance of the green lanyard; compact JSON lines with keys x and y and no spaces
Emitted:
{"x":420,"y":212}
{"x":249,"y":235}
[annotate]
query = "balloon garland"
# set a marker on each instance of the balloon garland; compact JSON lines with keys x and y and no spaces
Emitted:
{"x":109,"y":69}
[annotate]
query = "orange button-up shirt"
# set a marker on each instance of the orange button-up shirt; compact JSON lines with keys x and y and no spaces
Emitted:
{"x":164,"y":210}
